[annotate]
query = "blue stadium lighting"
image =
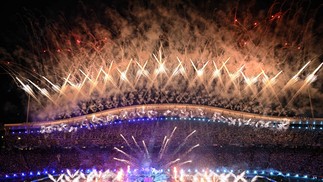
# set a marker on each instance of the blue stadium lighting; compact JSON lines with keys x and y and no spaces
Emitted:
{"x":53,"y":171}
{"x":254,"y":172}
{"x":31,"y":173}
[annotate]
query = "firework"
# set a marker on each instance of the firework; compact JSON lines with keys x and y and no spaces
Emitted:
{"x":143,"y":158}
{"x":175,"y":174}
{"x":227,"y":56}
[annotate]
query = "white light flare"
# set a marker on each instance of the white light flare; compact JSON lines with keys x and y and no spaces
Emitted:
{"x":312,"y":77}
{"x":142,"y":71}
{"x":271,"y":81}
{"x":235,"y":75}
{"x":161,"y":64}
{"x":123,"y":75}
{"x":295,"y":78}
{"x":199,"y":72}
{"x":179,"y":69}
{"x":55,"y":87}
{"x":27,"y":89}
{"x":161,"y":69}
{"x":216,"y":73}
{"x":43,"y":91}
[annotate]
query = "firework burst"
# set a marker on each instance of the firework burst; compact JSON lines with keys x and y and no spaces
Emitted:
{"x":238,"y":55}
{"x":143,"y":156}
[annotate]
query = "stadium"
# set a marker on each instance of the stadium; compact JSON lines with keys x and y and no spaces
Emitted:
{"x":199,"y":91}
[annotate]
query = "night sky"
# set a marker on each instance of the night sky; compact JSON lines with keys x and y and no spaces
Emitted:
{"x":14,"y":33}
{"x":15,"y":17}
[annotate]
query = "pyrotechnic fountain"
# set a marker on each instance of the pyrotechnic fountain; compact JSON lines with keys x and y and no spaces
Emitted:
{"x":155,"y":175}
{"x":165,"y":159}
